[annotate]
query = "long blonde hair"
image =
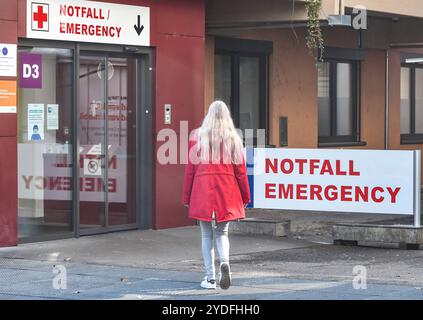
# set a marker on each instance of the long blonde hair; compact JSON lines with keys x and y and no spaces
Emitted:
{"x":218,"y":131}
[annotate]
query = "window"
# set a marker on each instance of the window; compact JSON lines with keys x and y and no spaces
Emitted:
{"x":45,"y":140}
{"x":337,"y":101}
{"x":241,"y":81}
{"x":411,"y":106}
{"x":90,"y":94}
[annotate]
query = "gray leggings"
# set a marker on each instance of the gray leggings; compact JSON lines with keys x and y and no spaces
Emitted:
{"x":220,"y":231}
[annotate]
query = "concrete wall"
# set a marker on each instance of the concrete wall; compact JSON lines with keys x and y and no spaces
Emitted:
{"x":291,"y":94}
{"x":249,"y":11}
{"x":373,"y":99}
{"x":235,"y":12}
{"x":404,"y":7}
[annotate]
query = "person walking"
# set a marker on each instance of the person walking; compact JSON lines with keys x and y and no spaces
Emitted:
{"x":216,"y":189}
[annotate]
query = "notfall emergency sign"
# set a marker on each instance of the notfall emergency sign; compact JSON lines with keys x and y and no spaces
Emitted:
{"x":88,"y":21}
{"x":370,"y":181}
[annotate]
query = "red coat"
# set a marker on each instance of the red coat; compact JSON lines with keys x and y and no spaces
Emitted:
{"x":222,"y":188}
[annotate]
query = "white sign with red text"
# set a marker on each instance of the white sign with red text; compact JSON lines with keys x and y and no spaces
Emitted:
{"x":88,"y":21}
{"x":369,"y":181}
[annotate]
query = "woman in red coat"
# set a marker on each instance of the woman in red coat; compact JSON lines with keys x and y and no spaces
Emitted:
{"x":216,"y":187}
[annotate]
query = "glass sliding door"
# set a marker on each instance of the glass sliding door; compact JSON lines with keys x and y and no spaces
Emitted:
{"x":92,"y":141}
{"x":45,"y":139}
{"x":121,"y":137}
{"x":108,"y":135}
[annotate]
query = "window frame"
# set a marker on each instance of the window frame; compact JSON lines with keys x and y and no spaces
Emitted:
{"x":354,"y":56}
{"x":236,"y":49}
{"x":412,"y":137}
{"x":355,"y":88}
{"x":144,"y":213}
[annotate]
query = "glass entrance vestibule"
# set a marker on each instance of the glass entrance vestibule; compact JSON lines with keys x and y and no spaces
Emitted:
{"x":84,"y":139}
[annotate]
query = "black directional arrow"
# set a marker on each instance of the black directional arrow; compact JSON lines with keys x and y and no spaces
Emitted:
{"x":138,"y":27}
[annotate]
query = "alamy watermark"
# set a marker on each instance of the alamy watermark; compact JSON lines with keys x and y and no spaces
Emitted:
{"x":359,"y":21}
{"x":359,"y":281}
{"x":175,"y":147}
{"x":60,"y":279}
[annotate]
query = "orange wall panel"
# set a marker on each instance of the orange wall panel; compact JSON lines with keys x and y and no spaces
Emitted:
{"x":372,"y":100}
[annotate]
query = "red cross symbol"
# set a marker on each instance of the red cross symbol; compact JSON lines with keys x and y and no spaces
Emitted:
{"x":40,"y":17}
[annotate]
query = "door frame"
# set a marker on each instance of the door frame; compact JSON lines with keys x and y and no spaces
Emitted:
{"x":236,"y":48}
{"x":144,"y":127}
{"x":144,"y":132}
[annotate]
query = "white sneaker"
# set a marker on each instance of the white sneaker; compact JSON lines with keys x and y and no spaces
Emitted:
{"x":225,"y":276}
{"x":208,"y":284}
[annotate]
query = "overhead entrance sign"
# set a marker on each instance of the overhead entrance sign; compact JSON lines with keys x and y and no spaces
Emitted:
{"x":88,"y":21}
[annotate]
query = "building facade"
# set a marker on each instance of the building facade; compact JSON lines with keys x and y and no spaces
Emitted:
{"x":58,"y":178}
{"x":94,"y":107}
{"x":363,"y":93}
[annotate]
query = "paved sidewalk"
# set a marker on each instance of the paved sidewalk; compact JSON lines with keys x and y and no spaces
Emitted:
{"x":34,"y":280}
{"x":143,"y":248}
{"x":166,"y":264}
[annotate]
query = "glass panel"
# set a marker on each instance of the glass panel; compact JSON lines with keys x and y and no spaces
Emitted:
{"x":405,"y":100}
{"x":92,"y":141}
{"x":45,"y":142}
{"x":323,"y":94}
{"x":222,"y":78}
{"x":344,"y":114}
{"x":419,"y":100}
{"x":249,"y":98}
{"x":122,"y":141}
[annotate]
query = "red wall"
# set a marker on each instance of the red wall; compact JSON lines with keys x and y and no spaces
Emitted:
{"x":177,"y":32}
{"x":8,"y":144}
{"x":179,"y":81}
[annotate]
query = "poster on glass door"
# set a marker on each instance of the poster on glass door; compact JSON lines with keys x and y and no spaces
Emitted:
{"x":52,"y":117}
{"x":35,"y":122}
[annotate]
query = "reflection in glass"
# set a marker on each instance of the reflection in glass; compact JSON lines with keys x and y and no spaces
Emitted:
{"x":92,"y":141}
{"x":110,"y":189}
{"x":323,"y":71}
{"x":222,"y":78}
{"x":249,"y":99}
{"x":405,"y":101}
{"x":337,"y":81}
{"x":45,"y":147}
{"x":419,"y":101}
{"x":344,"y":103}
{"x":121,"y":137}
